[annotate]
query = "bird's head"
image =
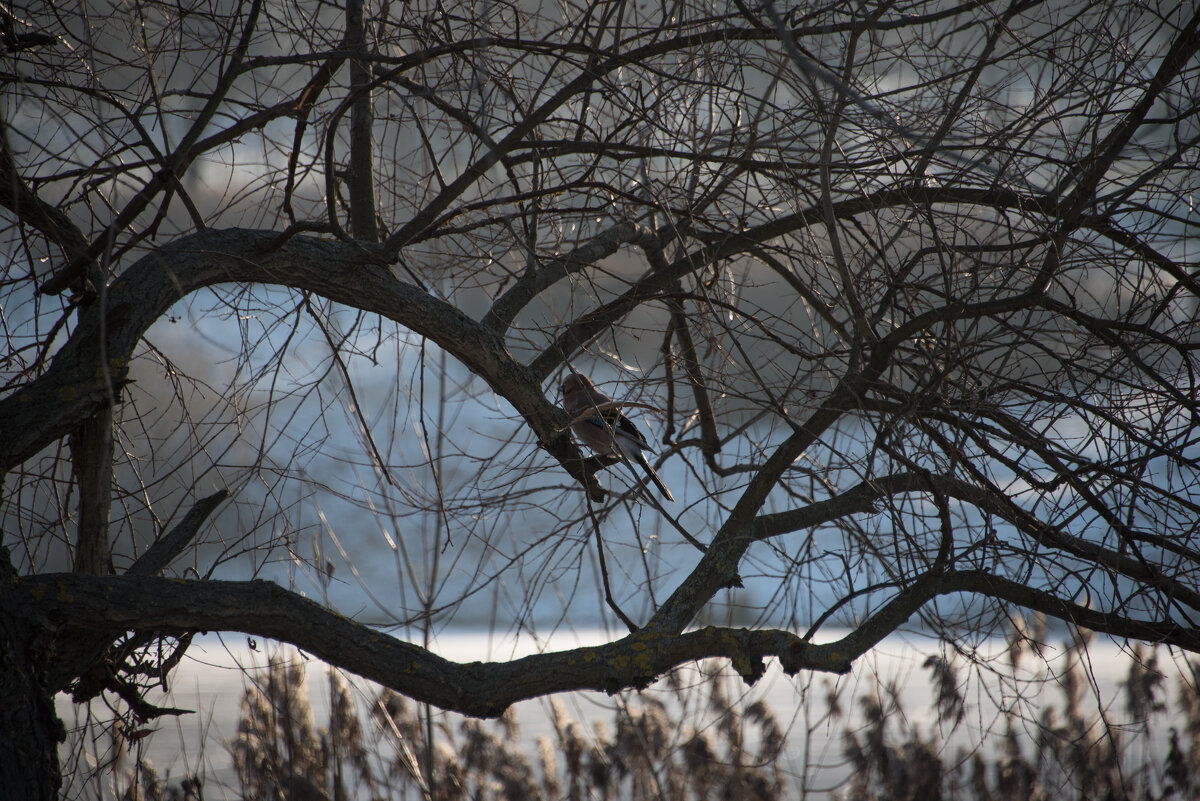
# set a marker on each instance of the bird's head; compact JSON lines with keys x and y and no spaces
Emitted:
{"x":576,"y":382}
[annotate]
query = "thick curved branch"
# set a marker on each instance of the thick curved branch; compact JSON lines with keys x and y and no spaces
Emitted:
{"x":1166,"y":632}
{"x":76,"y":384}
{"x":72,"y":602}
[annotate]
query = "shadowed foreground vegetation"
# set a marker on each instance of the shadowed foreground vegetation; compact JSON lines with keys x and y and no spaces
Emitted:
{"x":698,"y":741}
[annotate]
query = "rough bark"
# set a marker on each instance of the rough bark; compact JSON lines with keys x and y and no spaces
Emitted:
{"x":362,"y":120}
{"x":92,"y":453}
{"x":30,"y":731}
{"x":73,"y":602}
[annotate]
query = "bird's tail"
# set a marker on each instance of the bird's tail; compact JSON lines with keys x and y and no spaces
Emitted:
{"x":653,"y":476}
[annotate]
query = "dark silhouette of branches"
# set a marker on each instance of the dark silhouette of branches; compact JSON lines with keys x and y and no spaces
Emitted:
{"x":906,"y":292}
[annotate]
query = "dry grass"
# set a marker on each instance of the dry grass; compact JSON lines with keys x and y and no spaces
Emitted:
{"x":699,"y":745}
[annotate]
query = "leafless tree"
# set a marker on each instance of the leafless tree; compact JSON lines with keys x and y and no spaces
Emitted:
{"x":913,"y":286}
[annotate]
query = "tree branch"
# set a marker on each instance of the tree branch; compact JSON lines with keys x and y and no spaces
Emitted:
{"x":74,"y":386}
{"x":486,"y":689}
{"x":263,"y":609}
{"x":864,"y":497}
{"x":550,"y":271}
{"x":92,"y":455}
{"x":173,"y":167}
{"x":168,"y":546}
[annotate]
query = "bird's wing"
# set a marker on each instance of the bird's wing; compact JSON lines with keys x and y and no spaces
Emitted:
{"x":623,"y":425}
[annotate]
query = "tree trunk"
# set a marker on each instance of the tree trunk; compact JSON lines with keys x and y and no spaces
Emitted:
{"x":361,"y":178}
{"x":92,"y":452}
{"x":30,"y":730}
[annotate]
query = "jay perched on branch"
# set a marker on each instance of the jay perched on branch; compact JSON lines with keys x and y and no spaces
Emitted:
{"x":606,"y":430}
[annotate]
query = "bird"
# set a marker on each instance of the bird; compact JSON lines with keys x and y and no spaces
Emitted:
{"x":607,"y":431}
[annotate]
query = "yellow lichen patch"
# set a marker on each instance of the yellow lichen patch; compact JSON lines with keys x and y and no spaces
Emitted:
{"x":38,"y":592}
{"x":116,"y":364}
{"x":586,"y":657}
{"x":64,"y":594}
{"x":730,"y":639}
{"x":68,"y":394}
